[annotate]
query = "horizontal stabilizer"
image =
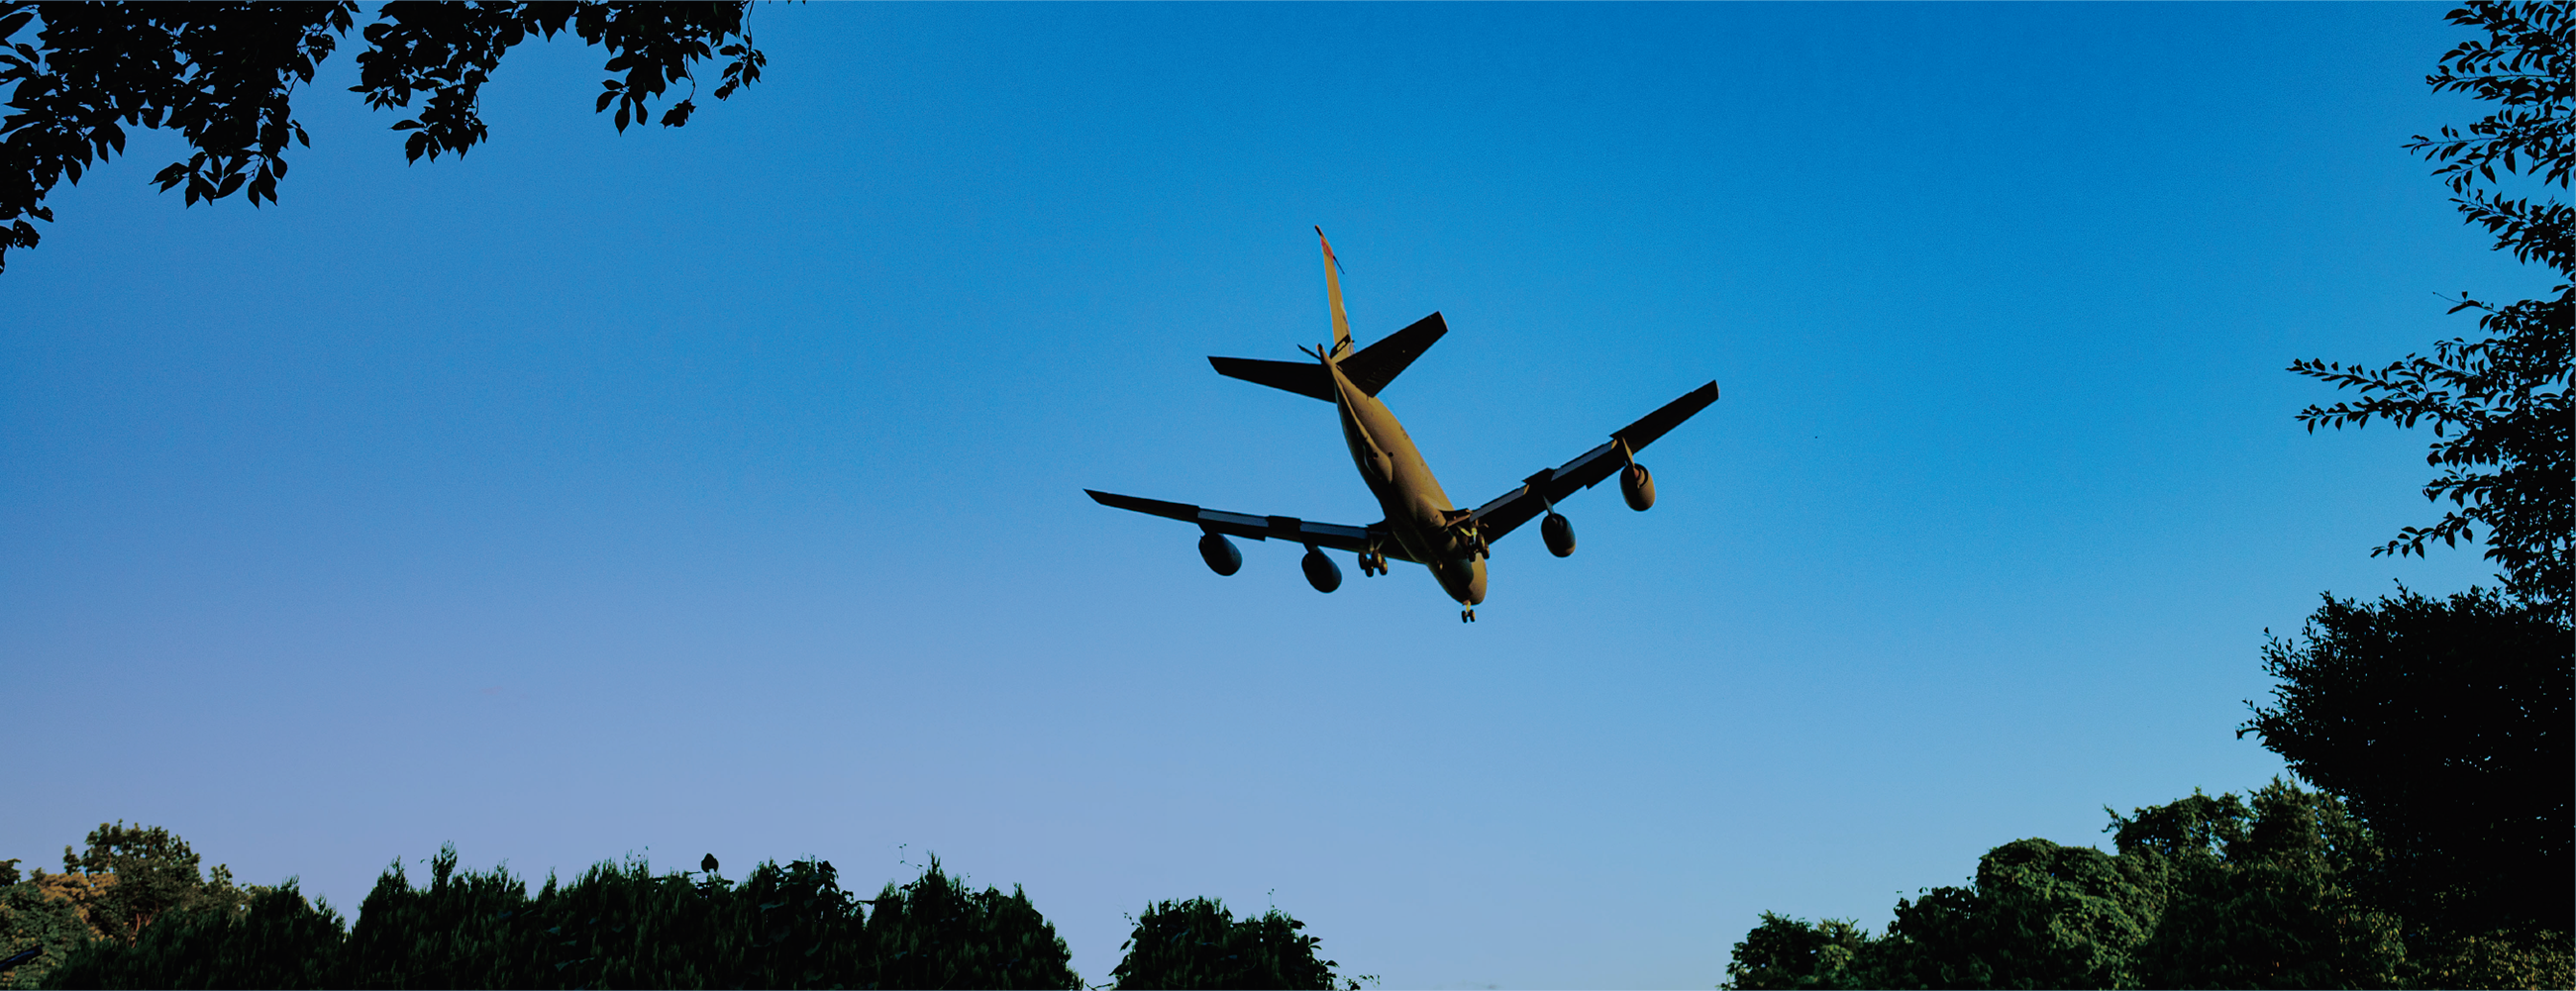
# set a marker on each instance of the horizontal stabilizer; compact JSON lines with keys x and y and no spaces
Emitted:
{"x":1379,"y":363}
{"x":1305,"y":378}
{"x":1371,"y":369}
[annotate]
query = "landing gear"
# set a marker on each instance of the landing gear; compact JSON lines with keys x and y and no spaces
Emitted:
{"x":1372,"y":563}
{"x":1467,"y":615}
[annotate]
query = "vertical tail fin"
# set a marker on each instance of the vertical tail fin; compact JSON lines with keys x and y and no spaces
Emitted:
{"x":1333,"y":290}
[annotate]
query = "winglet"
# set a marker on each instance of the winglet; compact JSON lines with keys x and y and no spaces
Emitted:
{"x":1333,"y":291}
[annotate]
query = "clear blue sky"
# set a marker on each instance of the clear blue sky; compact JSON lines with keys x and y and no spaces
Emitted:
{"x":718,"y":489}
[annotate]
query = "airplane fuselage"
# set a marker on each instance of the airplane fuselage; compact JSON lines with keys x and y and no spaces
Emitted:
{"x":1421,"y":524}
{"x":1418,"y":513}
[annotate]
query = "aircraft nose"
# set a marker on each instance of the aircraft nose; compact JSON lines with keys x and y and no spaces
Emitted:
{"x":1464,"y":580}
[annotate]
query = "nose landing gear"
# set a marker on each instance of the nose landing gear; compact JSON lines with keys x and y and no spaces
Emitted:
{"x":1467,"y":615}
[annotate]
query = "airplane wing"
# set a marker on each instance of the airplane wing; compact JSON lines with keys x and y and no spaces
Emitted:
{"x":1355,"y":539}
{"x":1496,"y":518}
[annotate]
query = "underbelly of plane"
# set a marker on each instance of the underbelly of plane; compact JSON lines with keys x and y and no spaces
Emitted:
{"x":1462,"y":577}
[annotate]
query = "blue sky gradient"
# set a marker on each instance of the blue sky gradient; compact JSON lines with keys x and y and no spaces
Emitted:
{"x":718,"y":489}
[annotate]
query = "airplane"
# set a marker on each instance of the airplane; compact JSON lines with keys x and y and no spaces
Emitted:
{"x":1421,"y":526}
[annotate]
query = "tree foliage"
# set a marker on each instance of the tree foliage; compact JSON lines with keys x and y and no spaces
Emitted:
{"x":2039,"y":915}
{"x":616,"y":925}
{"x":2445,"y":723}
{"x":224,"y":76}
{"x":117,"y":889}
{"x":2497,"y":404}
{"x":1793,"y":955}
{"x":1199,"y":943}
{"x":2526,"y":66}
{"x":2260,"y":894}
{"x":140,"y":873}
{"x":2202,"y":893}
{"x":43,"y":922}
{"x":274,"y":940}
{"x":935,"y":933}
{"x":2446,"y":726}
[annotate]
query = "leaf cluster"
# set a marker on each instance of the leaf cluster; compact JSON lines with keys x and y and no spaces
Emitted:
{"x":449,"y":50}
{"x":220,"y":74}
{"x":224,"y":75}
{"x":2527,"y":66}
{"x":41,"y":923}
{"x":2498,"y":404}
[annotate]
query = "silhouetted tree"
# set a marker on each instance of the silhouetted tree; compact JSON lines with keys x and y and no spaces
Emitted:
{"x":223,"y":75}
{"x":2498,"y":404}
{"x":2446,"y":725}
{"x":616,"y":925}
{"x":783,"y":927}
{"x":468,"y":929}
{"x":1200,"y":944}
{"x":934,"y":933}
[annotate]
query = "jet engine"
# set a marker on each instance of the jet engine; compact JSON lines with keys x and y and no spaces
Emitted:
{"x":1321,"y":572}
{"x":1220,"y":555}
{"x":1558,"y":533}
{"x":1638,"y":487}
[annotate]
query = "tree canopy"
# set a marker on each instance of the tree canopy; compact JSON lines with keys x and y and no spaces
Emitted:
{"x":154,"y":872}
{"x":119,"y":885}
{"x":935,"y":933}
{"x":2223,"y":892}
{"x":614,"y":925}
{"x":2446,"y":724}
{"x":224,"y":75}
{"x":2440,"y":851}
